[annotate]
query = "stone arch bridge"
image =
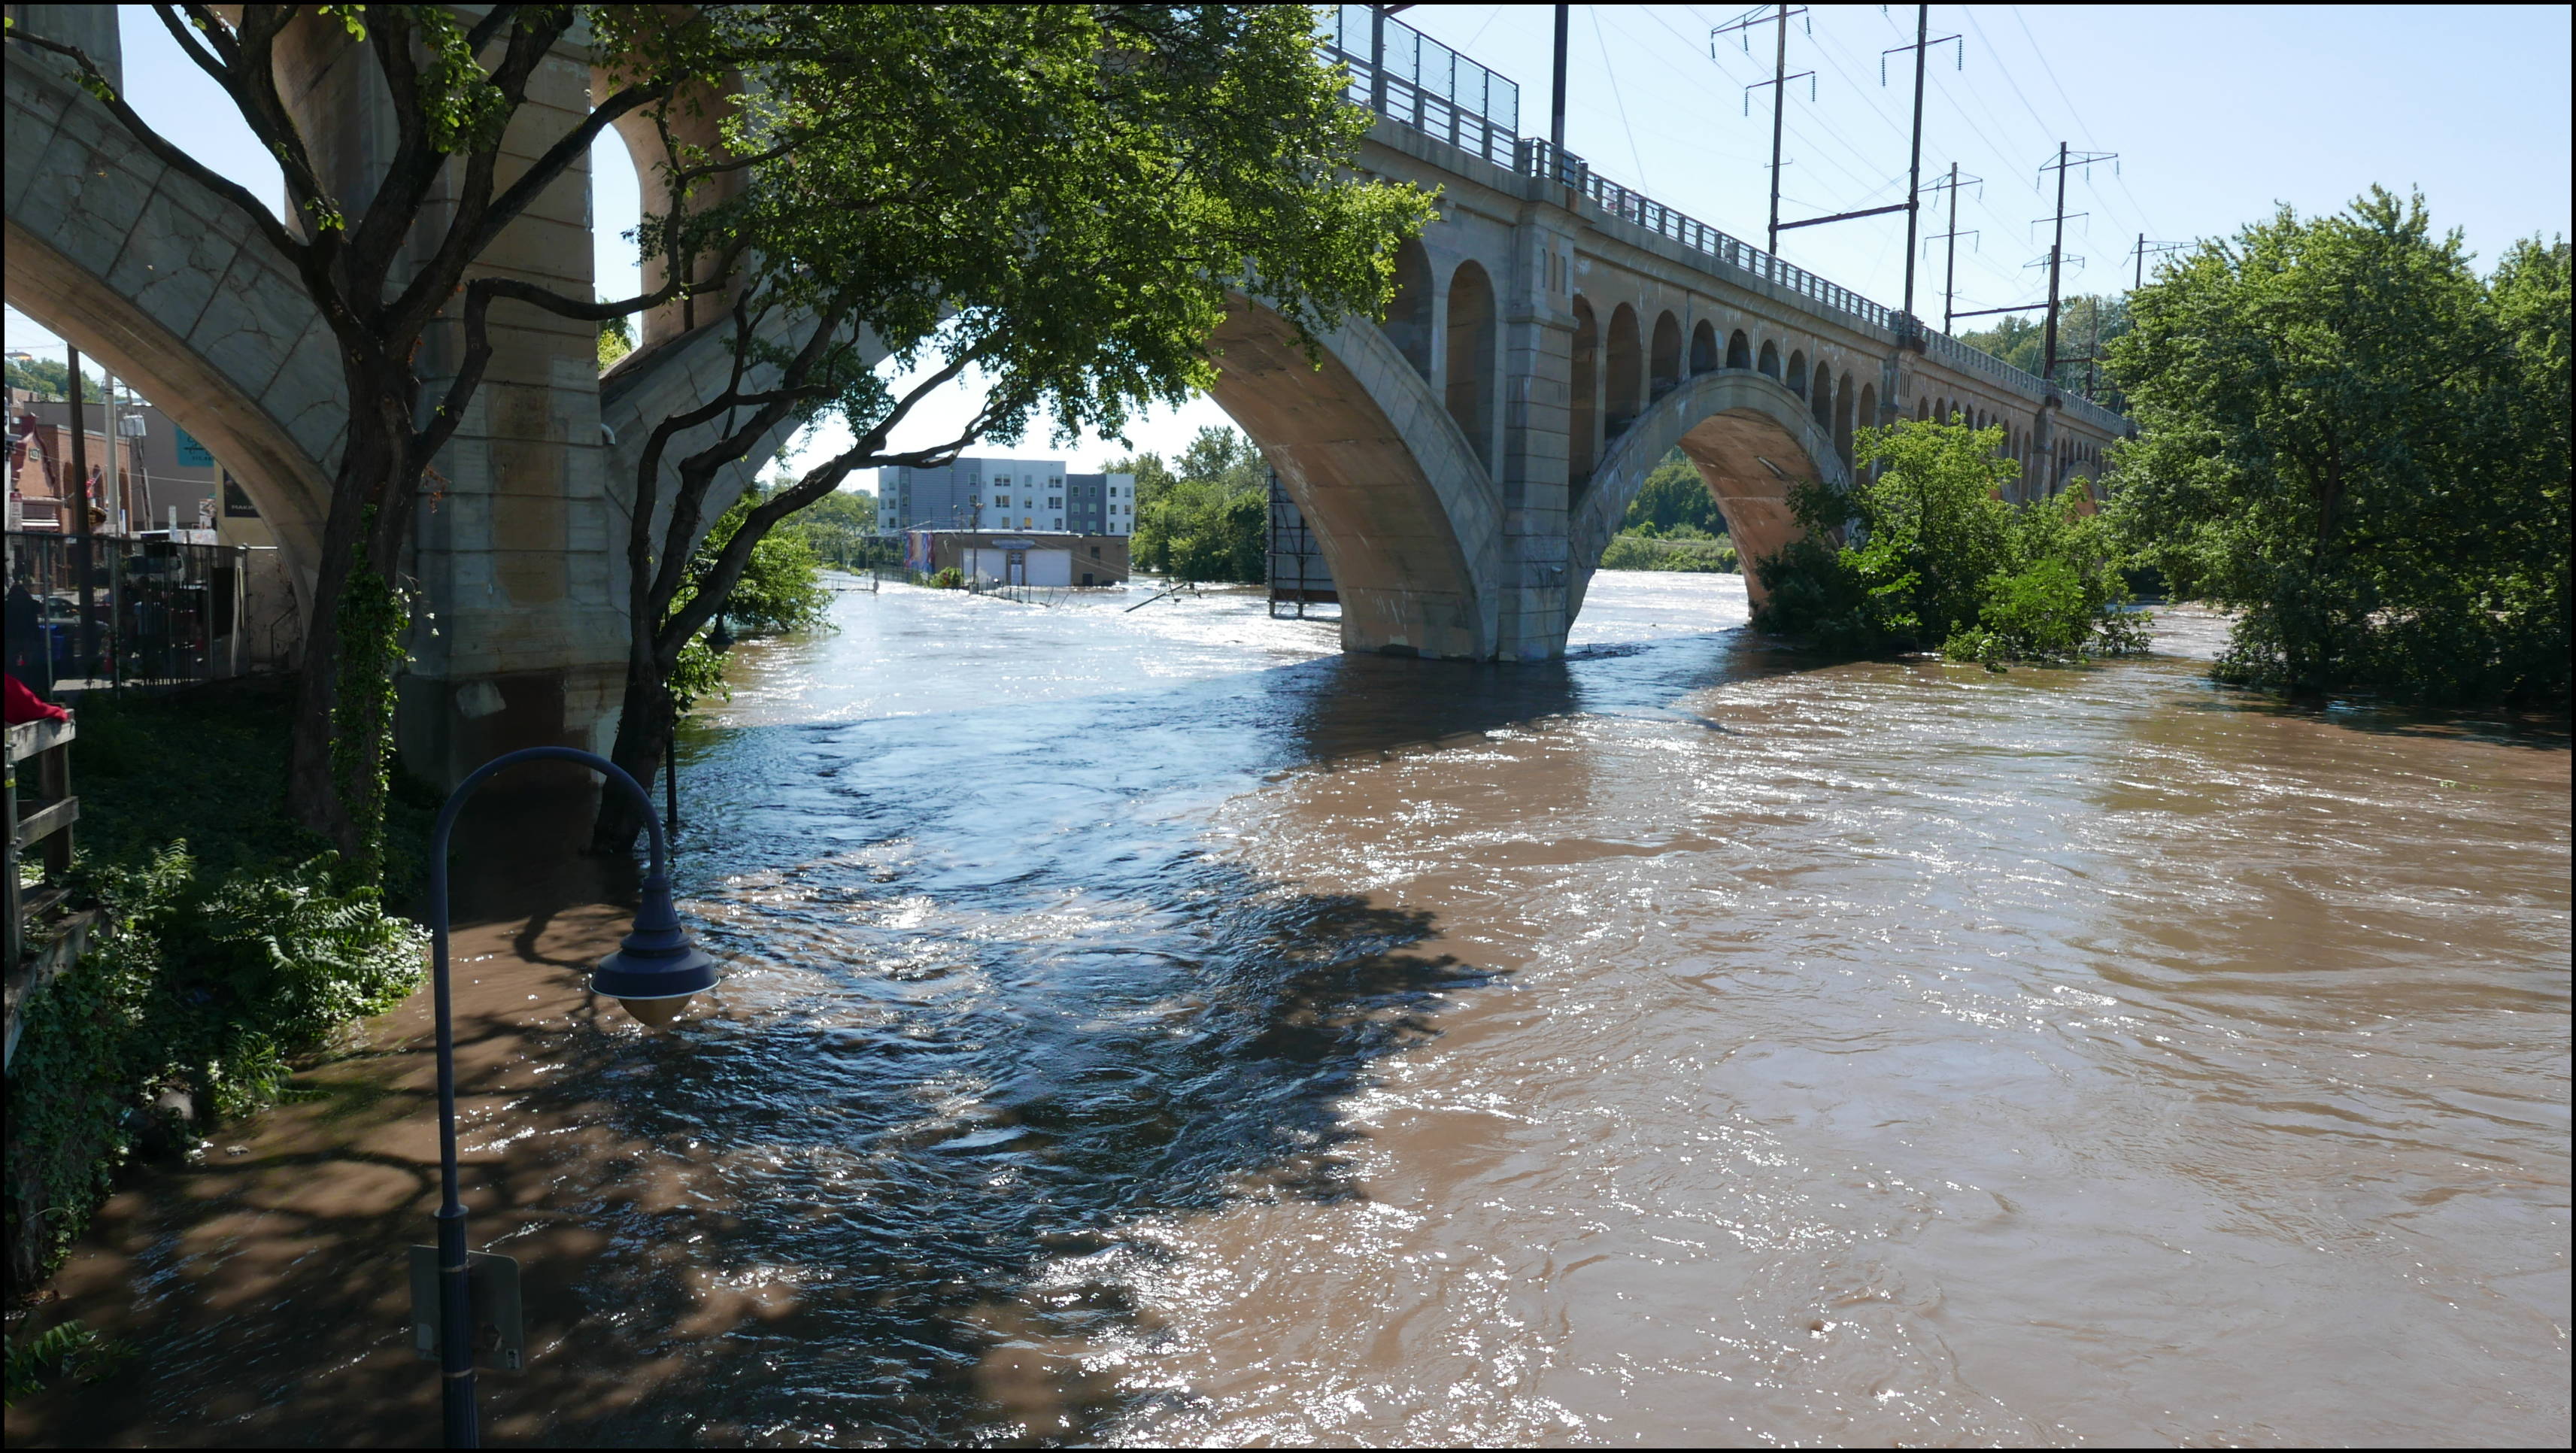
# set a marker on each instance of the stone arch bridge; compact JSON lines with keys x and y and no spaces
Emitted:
{"x":1553,"y":335}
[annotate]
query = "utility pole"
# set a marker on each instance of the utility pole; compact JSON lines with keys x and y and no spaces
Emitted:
{"x":1556,"y":107}
{"x":2056,"y":260}
{"x":1779,"y":117}
{"x":1914,"y":160}
{"x":1912,"y":205}
{"x":1950,"y":276}
{"x":1922,"y":48}
{"x":1779,"y":84}
{"x":1377,"y":59}
{"x":2144,"y":247}
{"x":84,"y":543}
{"x":2057,"y":248}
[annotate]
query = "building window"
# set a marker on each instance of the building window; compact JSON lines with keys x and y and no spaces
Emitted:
{"x":1054,"y":501}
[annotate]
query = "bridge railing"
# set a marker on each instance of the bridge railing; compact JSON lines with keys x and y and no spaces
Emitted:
{"x":1478,"y":111}
{"x":1433,"y":114}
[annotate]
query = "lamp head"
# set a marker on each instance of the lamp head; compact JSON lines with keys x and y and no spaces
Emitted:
{"x":657,"y":970}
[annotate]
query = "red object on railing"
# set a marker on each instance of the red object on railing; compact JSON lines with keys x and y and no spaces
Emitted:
{"x":25,"y":706}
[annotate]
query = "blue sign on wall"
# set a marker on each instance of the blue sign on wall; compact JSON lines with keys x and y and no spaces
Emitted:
{"x":192,"y":455}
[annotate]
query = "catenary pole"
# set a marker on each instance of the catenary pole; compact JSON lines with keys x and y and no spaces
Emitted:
{"x":1914,"y":166}
{"x":2056,"y":256}
{"x":1779,"y":115}
{"x":1556,"y":104}
{"x":1950,"y":277}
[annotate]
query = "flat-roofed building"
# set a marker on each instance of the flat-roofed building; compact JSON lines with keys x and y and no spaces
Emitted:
{"x":1032,"y":557}
{"x":1005,"y":494}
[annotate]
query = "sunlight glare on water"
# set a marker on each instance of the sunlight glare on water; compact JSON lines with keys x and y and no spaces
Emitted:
{"x":1155,"y":1026}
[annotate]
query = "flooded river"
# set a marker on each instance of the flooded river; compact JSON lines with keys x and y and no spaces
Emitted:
{"x":1155,"y":1027}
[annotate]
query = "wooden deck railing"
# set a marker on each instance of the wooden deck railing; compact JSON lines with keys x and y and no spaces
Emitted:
{"x":39,"y":812}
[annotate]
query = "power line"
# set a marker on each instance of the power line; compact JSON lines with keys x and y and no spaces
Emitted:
{"x":2051,"y":71}
{"x":1779,"y":84}
{"x":1595,"y":12}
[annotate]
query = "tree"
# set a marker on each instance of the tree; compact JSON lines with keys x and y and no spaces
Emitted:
{"x":1937,"y":559}
{"x":2351,"y":438}
{"x":383,"y":258}
{"x":1208,"y":519}
{"x":840,"y":527}
{"x":1674,"y":495}
{"x":1055,"y":203}
{"x":50,"y":379}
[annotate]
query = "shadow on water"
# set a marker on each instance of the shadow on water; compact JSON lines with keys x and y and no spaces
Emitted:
{"x":899,"y":1170}
{"x":996,"y":1012}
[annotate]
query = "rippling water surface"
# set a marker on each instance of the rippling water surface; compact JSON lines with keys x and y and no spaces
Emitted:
{"x":1157,"y":1027}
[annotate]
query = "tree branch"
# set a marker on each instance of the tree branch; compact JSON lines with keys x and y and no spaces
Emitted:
{"x":171,"y":156}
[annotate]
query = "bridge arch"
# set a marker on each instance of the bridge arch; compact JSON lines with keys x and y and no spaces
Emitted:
{"x":1749,"y":438}
{"x":1739,"y":350}
{"x":1408,"y":313}
{"x":1845,"y":406}
{"x":1703,"y":354}
{"x":1666,"y":370}
{"x":1627,"y":394}
{"x":1797,"y":379}
{"x":1408,"y":517}
{"x":1473,"y":366}
{"x":1770,"y":364}
{"x":1820,"y":400}
{"x":171,"y":290}
{"x":1583,"y":413}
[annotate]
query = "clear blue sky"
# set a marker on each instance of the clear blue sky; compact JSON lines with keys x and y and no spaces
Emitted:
{"x":2218,"y":114}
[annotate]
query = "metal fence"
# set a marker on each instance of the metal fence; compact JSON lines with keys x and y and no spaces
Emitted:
{"x":1439,"y":92}
{"x":114,"y":610}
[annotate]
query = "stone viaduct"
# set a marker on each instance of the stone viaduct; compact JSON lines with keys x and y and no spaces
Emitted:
{"x":1552,"y":337}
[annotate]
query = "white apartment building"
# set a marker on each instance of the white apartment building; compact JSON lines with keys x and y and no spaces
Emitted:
{"x":1005,"y":494}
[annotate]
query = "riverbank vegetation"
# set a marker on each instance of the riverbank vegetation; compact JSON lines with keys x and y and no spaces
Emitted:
{"x":1205,"y":516}
{"x":1683,"y":547}
{"x":232,"y":940}
{"x":1672,"y":524}
{"x":1924,"y":554}
{"x":2361,"y":446}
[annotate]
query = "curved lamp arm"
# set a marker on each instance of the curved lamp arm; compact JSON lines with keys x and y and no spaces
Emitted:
{"x":655,"y":971}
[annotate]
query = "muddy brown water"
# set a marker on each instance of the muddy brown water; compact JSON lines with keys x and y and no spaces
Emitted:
{"x":1155,"y":1027}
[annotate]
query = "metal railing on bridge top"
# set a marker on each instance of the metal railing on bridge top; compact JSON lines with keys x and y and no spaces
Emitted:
{"x":1441,"y":93}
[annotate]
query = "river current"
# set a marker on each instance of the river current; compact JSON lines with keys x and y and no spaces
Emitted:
{"x":1153,"y":1026}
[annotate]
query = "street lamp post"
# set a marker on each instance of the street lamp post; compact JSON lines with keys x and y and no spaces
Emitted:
{"x":654,"y":973}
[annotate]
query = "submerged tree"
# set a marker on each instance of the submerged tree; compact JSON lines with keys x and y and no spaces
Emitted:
{"x":1054,"y":204}
{"x":2364,"y":447}
{"x":1936,"y":559}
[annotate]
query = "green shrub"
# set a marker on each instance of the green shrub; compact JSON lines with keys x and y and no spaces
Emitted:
{"x":2362,"y":446}
{"x":1683,"y":548}
{"x":65,"y":1349}
{"x":1209,"y":518}
{"x":1939,"y":559}
{"x":207,"y":984}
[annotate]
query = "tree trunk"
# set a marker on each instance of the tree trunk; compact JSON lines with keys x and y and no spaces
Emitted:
{"x":367,"y":464}
{"x":643,"y":735}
